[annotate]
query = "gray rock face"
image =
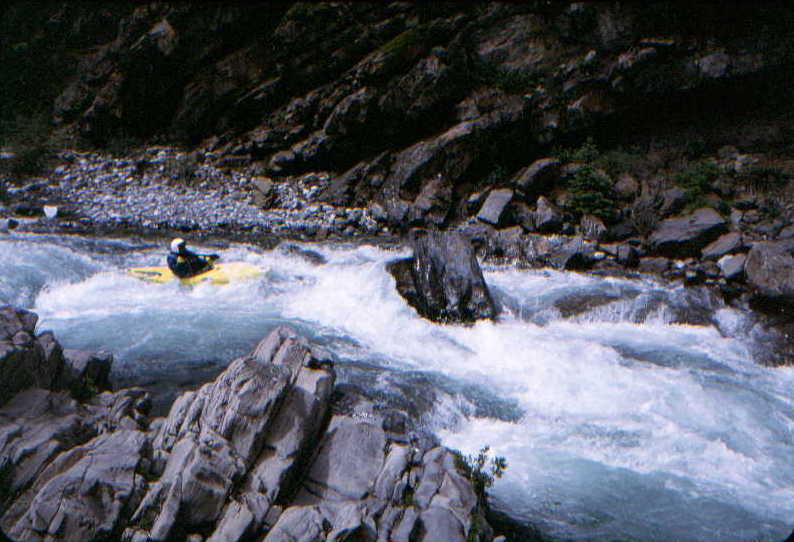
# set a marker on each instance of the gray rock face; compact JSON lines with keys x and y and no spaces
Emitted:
{"x":494,"y":206}
{"x":26,"y":360}
{"x":686,"y":235}
{"x":548,"y":219}
{"x":593,"y":228}
{"x":443,"y":280}
{"x":770,"y":271}
{"x":538,"y":176}
{"x":59,"y":456}
{"x":732,"y":265}
{"x":250,"y":456}
{"x":87,"y":367}
{"x":725,"y":244}
{"x":84,"y":493}
{"x":212,"y":437}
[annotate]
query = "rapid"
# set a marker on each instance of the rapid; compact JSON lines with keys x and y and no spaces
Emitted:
{"x":627,"y":409}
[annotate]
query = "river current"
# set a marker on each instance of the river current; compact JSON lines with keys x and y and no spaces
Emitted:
{"x":618,"y":422}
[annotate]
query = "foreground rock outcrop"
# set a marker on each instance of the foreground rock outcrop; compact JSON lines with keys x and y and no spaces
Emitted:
{"x":443,"y":280}
{"x":270,"y":450}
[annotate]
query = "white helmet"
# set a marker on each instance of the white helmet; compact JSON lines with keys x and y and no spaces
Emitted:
{"x":176,"y":244}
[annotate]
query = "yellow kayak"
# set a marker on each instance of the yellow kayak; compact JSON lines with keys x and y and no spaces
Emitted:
{"x":221,"y":273}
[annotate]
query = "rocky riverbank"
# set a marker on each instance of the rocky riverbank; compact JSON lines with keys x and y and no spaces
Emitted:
{"x":270,"y":450}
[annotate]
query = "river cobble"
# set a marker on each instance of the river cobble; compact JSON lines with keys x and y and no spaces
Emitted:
{"x":166,"y":189}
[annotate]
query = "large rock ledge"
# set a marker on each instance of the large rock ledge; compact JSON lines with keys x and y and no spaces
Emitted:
{"x":270,"y":451}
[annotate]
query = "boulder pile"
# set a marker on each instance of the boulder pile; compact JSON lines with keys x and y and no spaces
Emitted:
{"x":271,"y":450}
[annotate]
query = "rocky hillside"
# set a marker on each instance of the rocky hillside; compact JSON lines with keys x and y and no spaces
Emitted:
{"x":656,"y":135}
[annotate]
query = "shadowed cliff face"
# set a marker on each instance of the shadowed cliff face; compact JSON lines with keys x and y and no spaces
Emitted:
{"x":439,"y":87}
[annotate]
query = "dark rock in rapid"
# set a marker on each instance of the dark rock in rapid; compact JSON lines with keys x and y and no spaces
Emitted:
{"x":686,"y":235}
{"x":627,"y":255}
{"x":443,"y":280}
{"x":572,"y":254}
{"x":770,"y":272}
{"x":25,"y":359}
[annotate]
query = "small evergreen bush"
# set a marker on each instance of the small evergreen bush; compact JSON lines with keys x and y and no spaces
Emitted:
{"x":481,"y":469}
{"x":588,"y":152}
{"x":697,"y":180}
{"x":591,"y":193}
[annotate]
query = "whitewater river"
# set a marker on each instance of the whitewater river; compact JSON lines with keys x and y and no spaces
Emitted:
{"x":617,"y":423}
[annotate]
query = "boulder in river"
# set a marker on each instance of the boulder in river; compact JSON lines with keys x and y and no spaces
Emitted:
{"x":443,"y":280}
{"x":770,"y":271}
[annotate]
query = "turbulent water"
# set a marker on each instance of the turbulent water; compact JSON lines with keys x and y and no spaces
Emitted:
{"x":618,"y":422}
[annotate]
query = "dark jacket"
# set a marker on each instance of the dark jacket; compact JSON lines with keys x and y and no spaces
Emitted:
{"x":186,"y":264}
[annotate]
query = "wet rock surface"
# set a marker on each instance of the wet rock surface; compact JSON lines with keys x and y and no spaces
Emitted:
{"x":443,"y":280}
{"x":266,"y":451}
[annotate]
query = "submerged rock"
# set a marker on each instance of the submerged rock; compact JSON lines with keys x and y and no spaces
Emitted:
{"x":443,"y":280}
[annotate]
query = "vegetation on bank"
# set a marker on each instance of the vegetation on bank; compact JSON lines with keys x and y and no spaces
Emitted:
{"x":481,"y":469}
{"x":30,"y":140}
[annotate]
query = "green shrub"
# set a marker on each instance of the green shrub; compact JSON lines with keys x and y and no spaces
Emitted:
{"x":403,"y":41}
{"x":619,"y":161}
{"x":481,"y":469}
{"x":644,"y":214}
{"x":697,"y":178}
{"x":304,"y":11}
{"x":588,"y":152}
{"x":591,"y":193}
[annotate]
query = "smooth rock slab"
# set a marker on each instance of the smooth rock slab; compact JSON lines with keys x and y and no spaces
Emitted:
{"x":732,"y":265}
{"x":538,"y":176}
{"x":725,"y":244}
{"x":494,"y":206}
{"x":684,"y":236}
{"x":348,"y":462}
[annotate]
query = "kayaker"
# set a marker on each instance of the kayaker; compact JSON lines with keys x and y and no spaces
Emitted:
{"x":185,"y":263}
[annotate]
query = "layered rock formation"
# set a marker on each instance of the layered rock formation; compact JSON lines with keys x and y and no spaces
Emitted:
{"x":269,"y":450}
